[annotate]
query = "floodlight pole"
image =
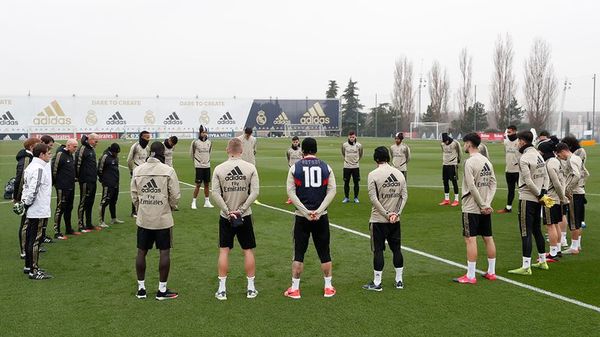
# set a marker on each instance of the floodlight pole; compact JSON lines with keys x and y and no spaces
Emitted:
{"x":376,"y":108}
{"x":475,"y":111}
{"x":594,"y":109}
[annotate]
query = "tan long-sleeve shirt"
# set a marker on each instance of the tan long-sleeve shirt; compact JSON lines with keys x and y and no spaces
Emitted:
{"x":400,"y":156}
{"x":387,"y":192}
{"x":478,"y":184}
{"x":533,"y":176}
{"x":235,"y":186}
{"x":451,"y":153}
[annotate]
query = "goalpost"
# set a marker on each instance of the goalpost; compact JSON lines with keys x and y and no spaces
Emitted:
{"x":428,"y":130}
{"x":304,"y":130}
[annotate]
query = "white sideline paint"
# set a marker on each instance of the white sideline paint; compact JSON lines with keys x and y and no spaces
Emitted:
{"x":452,"y":263}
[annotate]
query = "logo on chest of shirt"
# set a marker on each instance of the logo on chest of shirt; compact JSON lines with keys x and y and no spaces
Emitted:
{"x":485,"y":171}
{"x":391,"y":181}
{"x":151,"y":187}
{"x":235,"y":174}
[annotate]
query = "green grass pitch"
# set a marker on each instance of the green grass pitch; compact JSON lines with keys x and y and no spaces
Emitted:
{"x":92,"y":293}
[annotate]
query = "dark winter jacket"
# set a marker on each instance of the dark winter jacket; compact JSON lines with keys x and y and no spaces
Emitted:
{"x":108,"y":169}
{"x":85,"y":162}
{"x":24,"y":157}
{"x":63,"y":169}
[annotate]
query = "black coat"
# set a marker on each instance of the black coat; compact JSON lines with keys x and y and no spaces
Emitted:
{"x":108,"y":169}
{"x":85,"y":162}
{"x":63,"y":169}
{"x":23,"y":159}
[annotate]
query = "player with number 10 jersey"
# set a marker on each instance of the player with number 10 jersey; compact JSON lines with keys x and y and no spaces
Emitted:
{"x":311,"y":187}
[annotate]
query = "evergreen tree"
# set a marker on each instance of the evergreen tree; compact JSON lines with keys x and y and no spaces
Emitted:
{"x":465,"y":123}
{"x":429,"y":115}
{"x":332,"y":91}
{"x":380,"y":121}
{"x":351,"y":109}
{"x":515,"y":115}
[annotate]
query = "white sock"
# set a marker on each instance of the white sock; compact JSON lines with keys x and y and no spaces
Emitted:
{"x":446,"y":196}
{"x":222,"y":287}
{"x":162,"y":286}
{"x":579,"y":242}
{"x":542,"y":257}
{"x":377,"y":277}
{"x":399,"y":272}
{"x":250,"y":282}
{"x":553,"y":250}
{"x":509,"y":207}
{"x":491,"y":266}
{"x":456,"y":197}
{"x":193,"y":200}
{"x":574,"y":244}
{"x":327,"y":281}
{"x":563,"y":238}
{"x":295,"y":284}
{"x":471,"y":269}
{"x":141,"y":284}
{"x":206,"y":199}
{"x":526,"y":262}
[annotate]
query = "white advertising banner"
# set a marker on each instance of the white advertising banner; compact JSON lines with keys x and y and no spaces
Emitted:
{"x":20,"y":114}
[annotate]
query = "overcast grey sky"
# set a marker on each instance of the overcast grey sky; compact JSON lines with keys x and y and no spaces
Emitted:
{"x":263,"y":48}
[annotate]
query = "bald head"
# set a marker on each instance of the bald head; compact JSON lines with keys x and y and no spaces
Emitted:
{"x":234,"y":147}
{"x":71,"y":145}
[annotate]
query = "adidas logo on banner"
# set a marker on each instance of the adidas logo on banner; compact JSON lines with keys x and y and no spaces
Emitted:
{"x":391,"y":181}
{"x":235,"y":174}
{"x":173,"y":119}
{"x":53,"y":114}
{"x":485,"y":171}
{"x":281,"y":119}
{"x":8,"y":119}
{"x":116,"y":119}
{"x":226,"y":119}
{"x":151,"y":187}
{"x":314,"y":115}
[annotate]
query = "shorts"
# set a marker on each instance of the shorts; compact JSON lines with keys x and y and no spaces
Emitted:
{"x":244,"y":233}
{"x":576,"y":211}
{"x":449,"y":172}
{"x":146,"y":238}
{"x":202,"y":175}
{"x":552,"y":215}
{"x":303,"y":228}
{"x":529,"y":216}
{"x":476,"y":224}
{"x":352,"y":172}
{"x":384,"y":231}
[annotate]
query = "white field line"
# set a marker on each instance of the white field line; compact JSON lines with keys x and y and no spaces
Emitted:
{"x":452,"y":263}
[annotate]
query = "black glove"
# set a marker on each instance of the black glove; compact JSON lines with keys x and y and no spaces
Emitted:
{"x":543,"y":192}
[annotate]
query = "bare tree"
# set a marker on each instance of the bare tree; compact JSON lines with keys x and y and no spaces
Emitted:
{"x":503,"y":85}
{"x":403,"y":94}
{"x":464,"y":94}
{"x":540,"y":85}
{"x":439,"y":87}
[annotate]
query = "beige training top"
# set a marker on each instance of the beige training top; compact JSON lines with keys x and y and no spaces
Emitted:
{"x":155,"y":193}
{"x":137,"y":156}
{"x":556,"y":181}
{"x":352,"y":154}
{"x":387,"y":192}
{"x":400,"y":156}
{"x":293,"y":155}
{"x":451,"y":153}
{"x":512,"y":154}
{"x":235,"y":186}
{"x":478,"y":184}
{"x":200,"y":153}
{"x":248,"y":149}
{"x":533,"y":176}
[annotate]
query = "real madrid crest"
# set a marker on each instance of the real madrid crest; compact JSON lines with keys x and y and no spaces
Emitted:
{"x":204,"y":119}
{"x":261,"y":119}
{"x":149,"y":118}
{"x":91,"y":118}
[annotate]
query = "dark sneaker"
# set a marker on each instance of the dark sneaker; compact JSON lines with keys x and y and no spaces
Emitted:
{"x":141,"y":293}
{"x":27,"y":270}
{"x":39,"y":275}
{"x":399,"y":285}
{"x":372,"y":286}
{"x":167,"y":295}
{"x":47,"y":239}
